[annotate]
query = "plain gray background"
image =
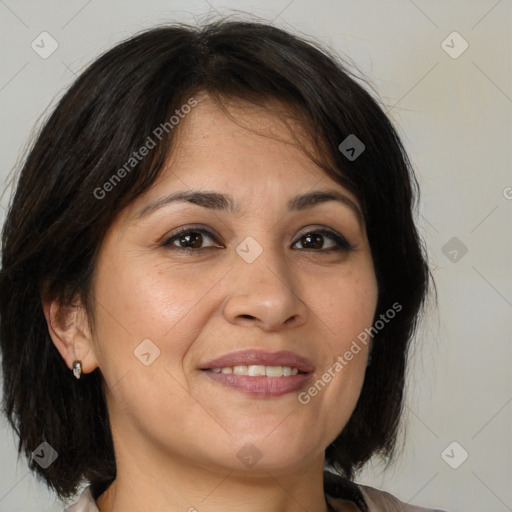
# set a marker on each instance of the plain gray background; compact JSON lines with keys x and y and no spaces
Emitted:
{"x":454,"y":112}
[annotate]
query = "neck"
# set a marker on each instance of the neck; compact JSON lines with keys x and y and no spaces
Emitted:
{"x":143,"y":485}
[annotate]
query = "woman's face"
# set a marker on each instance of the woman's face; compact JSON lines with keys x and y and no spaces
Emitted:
{"x":242,"y":278}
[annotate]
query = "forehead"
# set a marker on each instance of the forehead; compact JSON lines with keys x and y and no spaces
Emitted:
{"x":245,"y":150}
{"x":237,"y":140}
{"x":220,"y":125}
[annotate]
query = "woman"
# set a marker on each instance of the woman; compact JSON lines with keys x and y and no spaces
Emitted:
{"x":210,"y":279}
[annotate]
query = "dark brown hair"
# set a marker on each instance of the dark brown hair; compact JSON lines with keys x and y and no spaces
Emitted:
{"x":56,"y":223}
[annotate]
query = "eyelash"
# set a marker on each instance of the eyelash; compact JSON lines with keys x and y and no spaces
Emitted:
{"x":341,"y":242}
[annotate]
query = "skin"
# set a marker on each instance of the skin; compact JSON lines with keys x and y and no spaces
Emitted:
{"x":176,"y":432}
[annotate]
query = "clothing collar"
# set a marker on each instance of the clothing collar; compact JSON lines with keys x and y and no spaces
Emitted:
{"x":340,"y":494}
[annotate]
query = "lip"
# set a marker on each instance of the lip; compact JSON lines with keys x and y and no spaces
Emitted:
{"x":265,"y":387}
{"x":261,"y":357}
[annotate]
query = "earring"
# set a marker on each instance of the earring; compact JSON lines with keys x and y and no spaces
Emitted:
{"x":77,"y":368}
{"x":369,"y":361}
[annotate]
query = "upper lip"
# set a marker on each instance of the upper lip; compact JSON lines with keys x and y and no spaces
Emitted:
{"x":261,"y":357}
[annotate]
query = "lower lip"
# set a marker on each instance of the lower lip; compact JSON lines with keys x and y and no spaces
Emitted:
{"x":261,"y":386}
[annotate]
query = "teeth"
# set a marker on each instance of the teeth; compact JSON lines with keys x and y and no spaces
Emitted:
{"x":240,"y":370}
{"x":257,"y":370}
{"x":287,"y":371}
{"x":274,"y":371}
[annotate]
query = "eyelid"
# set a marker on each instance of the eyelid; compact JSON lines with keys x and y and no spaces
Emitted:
{"x":210,"y":233}
{"x":341,"y":242}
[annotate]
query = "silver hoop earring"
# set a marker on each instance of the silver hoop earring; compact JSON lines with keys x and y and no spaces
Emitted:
{"x":77,"y":368}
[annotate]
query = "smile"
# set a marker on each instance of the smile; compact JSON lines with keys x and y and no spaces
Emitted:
{"x":256,"y":370}
{"x":259,"y":380}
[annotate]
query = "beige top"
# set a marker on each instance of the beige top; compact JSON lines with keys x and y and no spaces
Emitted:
{"x":376,"y":501}
{"x":373,"y":501}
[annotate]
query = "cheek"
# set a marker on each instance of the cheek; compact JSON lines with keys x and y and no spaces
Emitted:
{"x":147,"y":319}
{"x":143,"y":299}
{"x":345,"y":308}
{"x":346,"y":305}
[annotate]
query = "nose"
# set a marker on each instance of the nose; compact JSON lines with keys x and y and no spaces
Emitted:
{"x":264,"y":294}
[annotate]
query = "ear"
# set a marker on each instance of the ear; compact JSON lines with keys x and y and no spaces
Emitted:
{"x":71,"y":334}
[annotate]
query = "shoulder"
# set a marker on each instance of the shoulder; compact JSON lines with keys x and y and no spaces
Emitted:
{"x":85,"y":503}
{"x":339,"y":491}
{"x":382,"y":501}
{"x":342,"y":494}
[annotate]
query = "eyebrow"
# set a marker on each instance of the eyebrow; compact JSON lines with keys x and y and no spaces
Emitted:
{"x":223,"y":202}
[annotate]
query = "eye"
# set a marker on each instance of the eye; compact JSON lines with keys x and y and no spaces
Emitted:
{"x":314,"y":240}
{"x":190,"y":240}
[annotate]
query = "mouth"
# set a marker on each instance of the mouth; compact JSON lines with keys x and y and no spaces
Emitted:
{"x":260,"y":373}
{"x":252,"y":360}
{"x":256,"y":370}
